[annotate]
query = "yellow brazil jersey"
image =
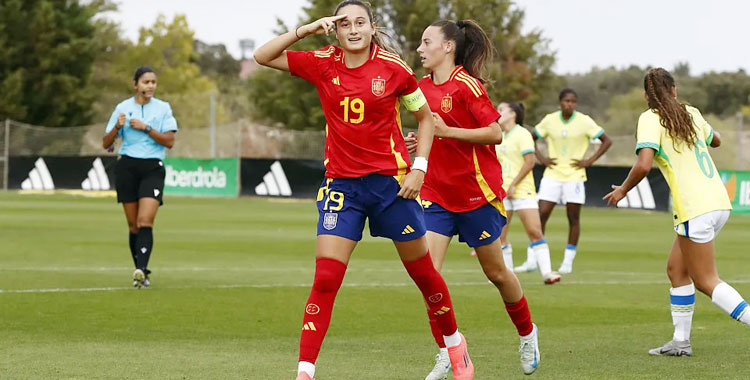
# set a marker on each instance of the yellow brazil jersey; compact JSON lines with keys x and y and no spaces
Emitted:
{"x":693,"y":179}
{"x":567,"y":141}
{"x":516,"y":143}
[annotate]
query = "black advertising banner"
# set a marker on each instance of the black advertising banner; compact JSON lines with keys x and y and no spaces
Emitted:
{"x":52,"y":172}
{"x":281,"y":178}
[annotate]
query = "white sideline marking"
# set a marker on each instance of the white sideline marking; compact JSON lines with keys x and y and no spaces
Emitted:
{"x":355,"y":285}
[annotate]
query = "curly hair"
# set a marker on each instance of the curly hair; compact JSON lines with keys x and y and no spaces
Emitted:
{"x":673,"y":115}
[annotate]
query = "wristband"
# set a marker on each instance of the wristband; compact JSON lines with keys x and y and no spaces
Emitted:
{"x":420,"y":163}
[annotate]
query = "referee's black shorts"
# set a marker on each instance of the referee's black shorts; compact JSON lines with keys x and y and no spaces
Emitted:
{"x":137,"y":178}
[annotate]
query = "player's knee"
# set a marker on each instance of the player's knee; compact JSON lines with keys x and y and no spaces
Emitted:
{"x":574,"y":219}
{"x":497,"y":275}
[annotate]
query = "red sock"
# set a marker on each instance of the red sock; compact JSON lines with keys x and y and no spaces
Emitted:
{"x":329,"y":274}
{"x":435,"y":329}
{"x":435,"y":292}
{"x":520,"y":315}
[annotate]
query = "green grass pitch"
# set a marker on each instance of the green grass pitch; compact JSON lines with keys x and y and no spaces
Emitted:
{"x":231,"y":278}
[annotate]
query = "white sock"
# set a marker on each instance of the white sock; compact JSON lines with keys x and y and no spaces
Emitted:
{"x":452,"y":340}
{"x":508,"y":256}
{"x":729,"y":300}
{"x":682,"y":299}
{"x":530,"y":259}
{"x":306,"y":367}
{"x":541,"y":256}
{"x":570,"y":254}
{"x":443,"y":350}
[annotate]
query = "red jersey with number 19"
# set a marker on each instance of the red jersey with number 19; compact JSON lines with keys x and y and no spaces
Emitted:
{"x":361,"y":107}
{"x":462,"y":176}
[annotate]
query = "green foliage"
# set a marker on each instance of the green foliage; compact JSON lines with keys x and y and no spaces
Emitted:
{"x":521,"y":70}
{"x":623,"y":112}
{"x":168,"y":48}
{"x":47,"y":51}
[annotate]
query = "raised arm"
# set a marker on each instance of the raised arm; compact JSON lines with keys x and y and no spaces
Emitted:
{"x":273,"y":53}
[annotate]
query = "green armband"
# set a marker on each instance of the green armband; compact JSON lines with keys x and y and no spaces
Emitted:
{"x":414,"y":101}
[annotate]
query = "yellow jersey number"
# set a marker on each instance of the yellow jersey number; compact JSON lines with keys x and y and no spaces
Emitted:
{"x":356,"y":106}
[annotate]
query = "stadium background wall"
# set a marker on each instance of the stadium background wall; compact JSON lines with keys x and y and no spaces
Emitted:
{"x":301,"y":178}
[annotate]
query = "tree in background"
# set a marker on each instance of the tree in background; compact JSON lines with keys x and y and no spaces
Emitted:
{"x":521,"y":70}
{"x":47,"y":51}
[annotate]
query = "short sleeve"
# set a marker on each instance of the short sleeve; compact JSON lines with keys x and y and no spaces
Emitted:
{"x":482,"y":109}
{"x":303,"y":64}
{"x":541,"y":130}
{"x":705,"y":131}
{"x":113,"y":120}
{"x":593,"y":130}
{"x":412,"y":95}
{"x":526,"y":143}
{"x":648,"y":133}
{"x":169,"y":123}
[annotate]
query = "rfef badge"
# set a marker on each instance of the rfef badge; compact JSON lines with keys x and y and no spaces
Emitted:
{"x":329,"y":220}
{"x":446,"y":104}
{"x":378,"y":86}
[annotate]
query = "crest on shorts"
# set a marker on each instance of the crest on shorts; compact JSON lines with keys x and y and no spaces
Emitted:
{"x":446,"y":104}
{"x":329,"y":220}
{"x":378,"y":86}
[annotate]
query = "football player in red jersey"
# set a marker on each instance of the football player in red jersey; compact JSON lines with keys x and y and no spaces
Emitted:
{"x":463,"y":194}
{"x":361,"y":85}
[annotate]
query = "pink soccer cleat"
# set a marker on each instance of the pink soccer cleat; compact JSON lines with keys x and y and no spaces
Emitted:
{"x":463,"y":368}
{"x":304,"y":376}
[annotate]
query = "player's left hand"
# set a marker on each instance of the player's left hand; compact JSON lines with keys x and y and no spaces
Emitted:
{"x":137,"y":124}
{"x":411,"y":185}
{"x":615,"y":196}
{"x":581,"y":163}
{"x":441,"y":129}
{"x":411,"y":142}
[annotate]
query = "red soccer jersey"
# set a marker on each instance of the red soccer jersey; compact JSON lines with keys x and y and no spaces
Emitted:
{"x":361,"y":107}
{"x":462,"y":176}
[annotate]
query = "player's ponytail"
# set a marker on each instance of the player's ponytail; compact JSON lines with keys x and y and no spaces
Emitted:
{"x":674,"y":117}
{"x":473,"y":46}
{"x":380,"y":38}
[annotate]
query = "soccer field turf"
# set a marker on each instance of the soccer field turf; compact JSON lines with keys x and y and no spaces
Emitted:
{"x":231,"y":278}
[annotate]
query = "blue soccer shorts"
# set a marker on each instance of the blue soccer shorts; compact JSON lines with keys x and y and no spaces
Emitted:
{"x":476,"y":227}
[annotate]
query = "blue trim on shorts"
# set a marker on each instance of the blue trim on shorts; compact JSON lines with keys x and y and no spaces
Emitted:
{"x":687,"y":229}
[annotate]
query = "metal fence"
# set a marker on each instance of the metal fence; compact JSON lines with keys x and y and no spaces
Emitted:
{"x":251,"y":140}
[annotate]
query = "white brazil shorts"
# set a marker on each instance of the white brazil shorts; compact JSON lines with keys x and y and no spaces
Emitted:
{"x":703,"y":228}
{"x":555,"y":191}
{"x":515,"y":204}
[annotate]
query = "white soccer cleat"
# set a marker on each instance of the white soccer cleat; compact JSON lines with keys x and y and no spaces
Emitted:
{"x":139,"y":279}
{"x":552,"y":278}
{"x":526,"y":267}
{"x":565,"y":268}
{"x":529,"y":350}
{"x":442,"y":367}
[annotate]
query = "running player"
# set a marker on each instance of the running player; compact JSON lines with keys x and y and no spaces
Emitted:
{"x":568,"y":133}
{"x":462,"y":194}
{"x":147,"y":128}
{"x":360,"y":84}
{"x":677,"y":137}
{"x":516,"y":154}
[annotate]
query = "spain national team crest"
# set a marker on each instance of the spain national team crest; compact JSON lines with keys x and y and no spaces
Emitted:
{"x":329,"y":220}
{"x":446,"y":104}
{"x":378,"y":86}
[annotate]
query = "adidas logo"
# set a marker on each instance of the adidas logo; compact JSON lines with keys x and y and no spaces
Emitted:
{"x":39,"y":178}
{"x":309,"y":326}
{"x":336,"y":81}
{"x":640,"y":196}
{"x":407,"y":230}
{"x":274,"y":182}
{"x":97,"y":177}
{"x":442,"y":310}
{"x":484,"y":235}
